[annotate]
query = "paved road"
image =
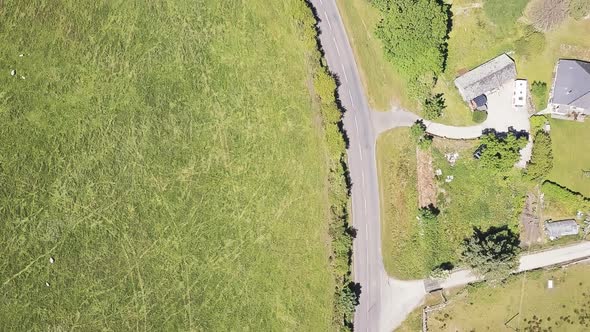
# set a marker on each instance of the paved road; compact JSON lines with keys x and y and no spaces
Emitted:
{"x":384,"y":302}
{"x":379,"y":293}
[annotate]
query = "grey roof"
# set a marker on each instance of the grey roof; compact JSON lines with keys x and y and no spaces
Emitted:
{"x":556,"y":229}
{"x":572,"y":84}
{"x":486,"y":77}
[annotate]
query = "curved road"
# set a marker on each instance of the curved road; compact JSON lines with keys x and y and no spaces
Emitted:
{"x":385,"y":302}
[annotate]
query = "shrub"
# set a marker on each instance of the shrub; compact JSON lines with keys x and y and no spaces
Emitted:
{"x":479,"y":116}
{"x":493,"y":253}
{"x":502,"y":150}
{"x":414,"y":34}
{"x":434,"y":106}
{"x":579,"y":8}
{"x":537,"y":123}
{"x":542,"y":157}
{"x":539,"y":92}
{"x":418,"y":133}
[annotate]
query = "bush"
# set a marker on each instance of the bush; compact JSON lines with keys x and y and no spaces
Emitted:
{"x":479,"y":116}
{"x":493,"y":253}
{"x":418,"y":133}
{"x":502,"y":150}
{"x":414,"y":34}
{"x":537,"y":123}
{"x":434,"y":106}
{"x":542,"y":157}
{"x":539,"y":92}
{"x":579,"y":8}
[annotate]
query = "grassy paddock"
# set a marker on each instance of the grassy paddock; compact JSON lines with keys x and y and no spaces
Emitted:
{"x":569,"y":157}
{"x":176,"y":173}
{"x":524,"y":297}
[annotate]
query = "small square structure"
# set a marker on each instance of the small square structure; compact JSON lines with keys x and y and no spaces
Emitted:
{"x":550,"y":284}
{"x":520,"y":93}
{"x":557,"y":229}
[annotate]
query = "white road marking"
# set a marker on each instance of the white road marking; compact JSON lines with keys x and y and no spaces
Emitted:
{"x":351,"y":100}
{"x":328,"y":19}
{"x":344,"y":72}
{"x":365,"y":206}
{"x":356,"y":124}
{"x":335,"y":43}
{"x":360,"y":151}
{"x":363,"y":180}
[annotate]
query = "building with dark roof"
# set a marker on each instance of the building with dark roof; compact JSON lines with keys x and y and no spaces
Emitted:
{"x":486,"y":78}
{"x":570,"y":93}
{"x":557,"y":229}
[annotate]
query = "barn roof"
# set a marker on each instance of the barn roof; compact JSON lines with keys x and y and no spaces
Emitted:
{"x":486,"y":77}
{"x":556,"y":229}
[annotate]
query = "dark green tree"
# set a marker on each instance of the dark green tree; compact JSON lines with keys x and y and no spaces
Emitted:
{"x":542,"y":157}
{"x":414,"y":35}
{"x":493,"y":253}
{"x":418,"y":133}
{"x":433,"y":106}
{"x":502,"y":150}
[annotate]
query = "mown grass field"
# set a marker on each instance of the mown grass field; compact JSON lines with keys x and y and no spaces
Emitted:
{"x":168,"y":155}
{"x":475,"y":198}
{"x":524,"y":298}
{"x":567,"y":138}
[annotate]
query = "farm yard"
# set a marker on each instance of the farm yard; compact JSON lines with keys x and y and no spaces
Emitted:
{"x":176,"y":175}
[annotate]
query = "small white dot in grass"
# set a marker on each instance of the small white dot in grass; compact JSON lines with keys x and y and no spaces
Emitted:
{"x":21,"y":55}
{"x":47,"y":284}
{"x":22,"y":77}
{"x":51,"y":260}
{"x":13,"y":72}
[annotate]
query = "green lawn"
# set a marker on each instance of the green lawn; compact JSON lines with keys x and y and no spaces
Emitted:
{"x":475,"y":197}
{"x":167,"y":154}
{"x":568,"y":139}
{"x":524,"y":297}
{"x":383,"y":85}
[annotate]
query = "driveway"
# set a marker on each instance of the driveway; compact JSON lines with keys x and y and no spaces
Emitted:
{"x":501,"y":116}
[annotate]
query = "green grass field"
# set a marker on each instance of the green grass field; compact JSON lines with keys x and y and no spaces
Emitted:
{"x":524,"y":298}
{"x":567,"y":138}
{"x":168,"y":155}
{"x":475,"y":197}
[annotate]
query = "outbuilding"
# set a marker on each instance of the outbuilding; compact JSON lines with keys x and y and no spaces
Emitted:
{"x":557,"y":229}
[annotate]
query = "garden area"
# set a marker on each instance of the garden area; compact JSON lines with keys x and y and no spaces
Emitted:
{"x":522,"y":302}
{"x":466,"y":195}
{"x":479,"y":32}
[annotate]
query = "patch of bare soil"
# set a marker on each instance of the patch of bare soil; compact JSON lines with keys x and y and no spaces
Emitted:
{"x":426,"y":183}
{"x":531,"y":232}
